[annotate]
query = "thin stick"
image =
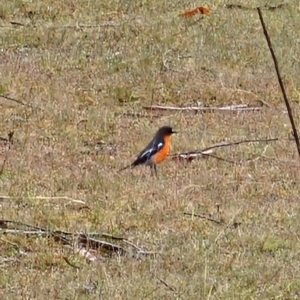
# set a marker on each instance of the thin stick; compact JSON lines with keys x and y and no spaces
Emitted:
{"x":17,"y":223}
{"x":9,"y":140}
{"x":48,"y":198}
{"x":288,"y":107}
{"x":13,"y":100}
{"x":104,"y":24}
{"x":27,"y":232}
{"x":142,"y":252}
{"x":95,"y":244}
{"x":69,"y":263}
{"x":267,"y":7}
{"x":192,"y":156}
{"x":137,"y":115}
{"x":132,"y":245}
{"x":167,"y":285}
{"x":204,"y":217}
{"x":207,"y":151}
{"x":220,"y":158}
{"x":239,"y":142}
{"x":232,"y":108}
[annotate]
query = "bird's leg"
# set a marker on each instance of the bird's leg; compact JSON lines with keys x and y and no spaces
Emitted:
{"x":151,"y":169}
{"x":154,"y":167}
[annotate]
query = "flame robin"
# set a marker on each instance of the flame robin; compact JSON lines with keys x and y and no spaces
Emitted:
{"x":156,"y":151}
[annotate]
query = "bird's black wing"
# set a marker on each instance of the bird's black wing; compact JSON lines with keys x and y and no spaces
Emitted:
{"x":153,"y":147}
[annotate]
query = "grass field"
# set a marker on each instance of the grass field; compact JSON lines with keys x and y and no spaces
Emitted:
{"x":79,"y":68}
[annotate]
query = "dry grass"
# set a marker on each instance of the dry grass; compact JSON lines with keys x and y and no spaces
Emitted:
{"x":78,"y":81}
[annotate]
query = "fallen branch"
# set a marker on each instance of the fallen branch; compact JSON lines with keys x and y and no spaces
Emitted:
{"x":84,"y":241}
{"x":236,"y":108}
{"x":189,"y":156}
{"x":204,"y":217}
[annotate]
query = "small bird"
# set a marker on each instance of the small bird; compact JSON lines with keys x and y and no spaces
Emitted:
{"x":156,"y":151}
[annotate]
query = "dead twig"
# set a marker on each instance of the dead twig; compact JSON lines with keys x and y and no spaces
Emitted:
{"x":219,"y":222}
{"x":274,"y":275}
{"x":220,"y":158}
{"x":80,"y":26}
{"x":239,"y":142}
{"x":287,"y":103}
{"x":59,"y":198}
{"x":69,"y":263}
{"x":71,"y":26}
{"x":16,"y":23}
{"x":13,"y":100}
{"x":9,"y":142}
{"x":106,"y":235}
{"x":12,"y":23}
{"x":191,"y":155}
{"x":266,"y":7}
{"x":233,"y":108}
{"x":4,"y":224}
{"x":93,"y":243}
{"x":27,"y":232}
{"x":136,"y":115}
{"x":142,"y":252}
{"x":133,"y":245}
{"x":173,"y":289}
{"x":232,"y":6}
{"x":99,"y":244}
{"x":71,"y":200}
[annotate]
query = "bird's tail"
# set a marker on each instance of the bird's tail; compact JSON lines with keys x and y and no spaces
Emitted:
{"x":129,"y":166}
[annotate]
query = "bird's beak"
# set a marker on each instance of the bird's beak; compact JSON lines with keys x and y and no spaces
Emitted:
{"x":174,"y":131}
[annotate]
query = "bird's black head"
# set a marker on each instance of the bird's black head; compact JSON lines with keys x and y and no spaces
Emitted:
{"x":166,"y":130}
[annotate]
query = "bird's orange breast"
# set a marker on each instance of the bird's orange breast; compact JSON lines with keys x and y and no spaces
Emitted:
{"x":163,"y":153}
